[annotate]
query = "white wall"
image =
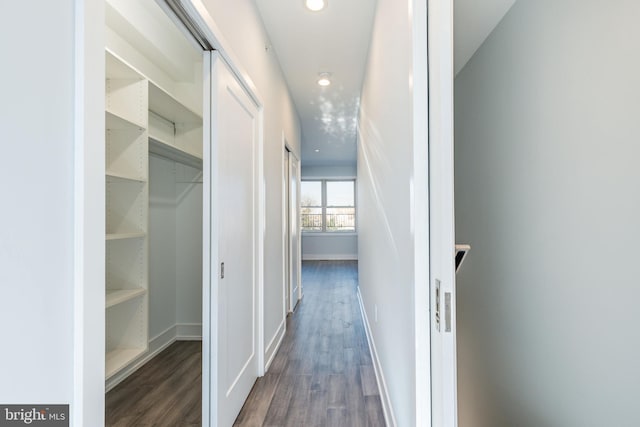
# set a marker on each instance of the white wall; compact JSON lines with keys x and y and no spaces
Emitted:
{"x":37,"y":239}
{"x":162,"y":245}
{"x":189,"y":250}
{"x":242,"y":28}
{"x":175,"y":248}
{"x":310,"y":172}
{"x":329,"y":246}
{"x":385,"y":178}
{"x":547,"y":177}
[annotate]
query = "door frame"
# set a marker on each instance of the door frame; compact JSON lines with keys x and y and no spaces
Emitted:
{"x":88,"y":398}
{"x":286,"y":231}
{"x":442,"y":214}
{"x":293,"y":299}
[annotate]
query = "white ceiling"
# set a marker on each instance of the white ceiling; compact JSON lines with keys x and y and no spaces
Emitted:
{"x":336,"y":40}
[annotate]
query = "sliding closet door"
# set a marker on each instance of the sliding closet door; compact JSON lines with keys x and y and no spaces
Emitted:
{"x":294,"y":232}
{"x":232,"y":209}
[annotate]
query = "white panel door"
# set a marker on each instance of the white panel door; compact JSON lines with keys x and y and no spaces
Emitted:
{"x":294,"y":231}
{"x":441,"y":201}
{"x":233,"y":245}
{"x":287,"y":234}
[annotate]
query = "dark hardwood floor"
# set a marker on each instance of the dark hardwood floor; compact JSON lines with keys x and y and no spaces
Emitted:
{"x":322,"y":374}
{"x":164,"y":392}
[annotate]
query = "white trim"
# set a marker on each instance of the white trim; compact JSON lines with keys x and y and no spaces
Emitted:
{"x":159,"y":343}
{"x":189,"y":331}
{"x":444,"y":410}
{"x":89,"y":218}
{"x":420,"y":215}
{"x":329,"y":178}
{"x":156,"y":345}
{"x":387,"y":409}
{"x":294,"y":211}
{"x":277,"y":339}
{"x":329,"y":234}
{"x":329,"y":257}
{"x":286,"y":241}
{"x":209,"y":253}
{"x":261,"y":227}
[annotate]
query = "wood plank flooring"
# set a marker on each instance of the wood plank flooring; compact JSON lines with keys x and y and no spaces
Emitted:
{"x":164,"y":392}
{"x":322,"y":374}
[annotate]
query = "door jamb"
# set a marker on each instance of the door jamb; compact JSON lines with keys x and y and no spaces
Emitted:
{"x":88,"y":398}
{"x":286,"y":254}
{"x":294,"y":299}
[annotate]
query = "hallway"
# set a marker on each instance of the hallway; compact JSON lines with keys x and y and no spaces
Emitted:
{"x":323,"y":373}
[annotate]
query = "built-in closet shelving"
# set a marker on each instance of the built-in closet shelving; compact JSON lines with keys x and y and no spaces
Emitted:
{"x":175,"y":131}
{"x":140,"y":117}
{"x":127,"y":204}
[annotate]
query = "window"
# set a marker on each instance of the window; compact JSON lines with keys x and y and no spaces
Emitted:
{"x":328,"y":205}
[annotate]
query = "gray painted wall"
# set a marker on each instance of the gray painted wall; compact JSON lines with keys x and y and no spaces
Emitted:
{"x":547,"y":194}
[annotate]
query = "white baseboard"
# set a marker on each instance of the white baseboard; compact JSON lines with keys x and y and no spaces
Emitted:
{"x":329,"y":257}
{"x":274,"y":344}
{"x":189,"y":332}
{"x":389,"y":417}
{"x":178,"y":332}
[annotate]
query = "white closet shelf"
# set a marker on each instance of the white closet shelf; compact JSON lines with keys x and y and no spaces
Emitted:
{"x":115,"y":68}
{"x":121,"y":357}
{"x":122,"y":236}
{"x":117,"y":122}
{"x":116,"y":176}
{"x":168,"y":107}
{"x":165,"y":149}
{"x":118,"y":296}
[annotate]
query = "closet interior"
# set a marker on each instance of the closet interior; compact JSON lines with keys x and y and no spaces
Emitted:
{"x":153,"y":146}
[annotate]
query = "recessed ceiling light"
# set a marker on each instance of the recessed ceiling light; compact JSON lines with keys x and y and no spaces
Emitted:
{"x":316,"y":150}
{"x":324,"y":79}
{"x":315,"y":5}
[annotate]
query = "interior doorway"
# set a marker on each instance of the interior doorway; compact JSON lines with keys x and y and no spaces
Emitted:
{"x":292,"y":247}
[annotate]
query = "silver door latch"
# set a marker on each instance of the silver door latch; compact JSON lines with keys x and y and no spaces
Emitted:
{"x":437,"y":305}
{"x":447,"y":308}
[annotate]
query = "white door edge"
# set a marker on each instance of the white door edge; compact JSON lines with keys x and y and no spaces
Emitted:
{"x":442,"y":221}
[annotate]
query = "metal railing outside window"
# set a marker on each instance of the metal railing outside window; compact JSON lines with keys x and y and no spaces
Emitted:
{"x":328,"y":206}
